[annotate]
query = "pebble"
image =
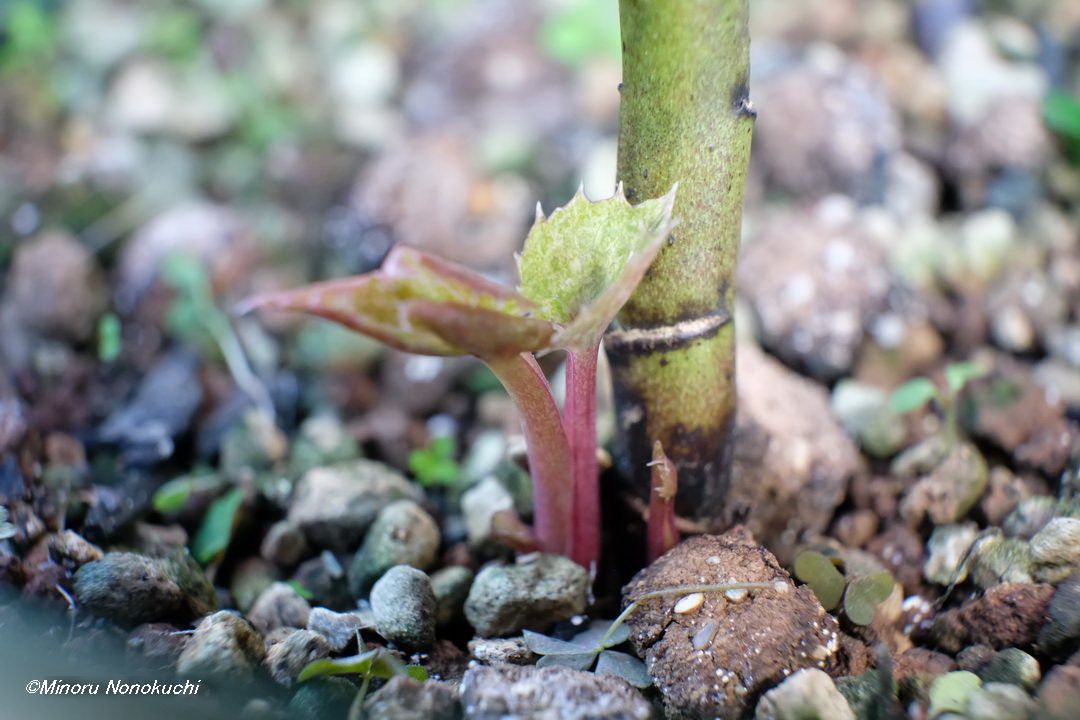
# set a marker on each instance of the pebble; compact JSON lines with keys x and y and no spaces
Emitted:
{"x":807,"y":694}
{"x":948,"y":547}
{"x":339,"y":629}
{"x":403,"y":534}
{"x":132,"y":589}
{"x":335,"y":505}
{"x":285,"y":659}
{"x":279,"y":606}
{"x":403,"y":698}
{"x":451,"y":586}
{"x":285,"y":544}
{"x":223,"y":648}
{"x":405,"y":608}
{"x":512,"y":691}
{"x":1056,"y":549}
{"x":1014,"y":667}
{"x":534,"y":593}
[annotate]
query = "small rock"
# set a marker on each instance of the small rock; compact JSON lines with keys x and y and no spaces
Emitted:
{"x":514,"y":692}
{"x":451,"y":587}
{"x":1014,"y":667}
{"x":862,"y":692}
{"x":758,"y":641}
{"x":534,"y":593}
{"x":999,"y":701}
{"x":1059,"y":694}
{"x":480,"y":504}
{"x":335,"y":505}
{"x":339,"y":629}
{"x":1007,"y":615}
{"x":403,"y":698}
{"x":250,"y":579}
{"x":324,"y":577}
{"x":321,"y":440}
{"x":792,"y":462}
{"x":1056,"y":549}
{"x":808,"y":694}
{"x":285,"y":659}
{"x":402,"y":534}
{"x":322,"y":698}
{"x":55,"y":287}
{"x":1061,"y":634}
{"x":157,"y":642}
{"x":223,"y":648}
{"x":285,"y":544}
{"x":279,"y":606}
{"x":996,"y":559}
{"x":863,"y":412}
{"x":492,"y":651}
{"x":253,"y":444}
{"x":948,"y":547}
{"x":132,"y":589}
{"x":1004,"y":493}
{"x":405,"y":607}
{"x":1030,"y":516}
{"x":69,"y":545}
{"x":950,"y":490}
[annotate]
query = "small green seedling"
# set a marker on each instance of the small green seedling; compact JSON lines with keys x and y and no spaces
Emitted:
{"x":860,"y":595}
{"x":916,"y":393}
{"x":595,"y":643}
{"x":368,"y":664}
{"x":435,"y":465}
{"x":578,"y":267}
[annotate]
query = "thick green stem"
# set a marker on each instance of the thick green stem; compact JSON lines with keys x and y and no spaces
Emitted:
{"x":579,"y":415}
{"x":685,"y":117}
{"x":548,"y":450}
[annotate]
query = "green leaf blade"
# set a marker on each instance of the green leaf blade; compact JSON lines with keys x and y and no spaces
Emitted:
{"x":912,"y":395}
{"x":352,"y":665}
{"x":957,"y":375}
{"x":582,"y":264}
{"x":821,"y":575}
{"x":213,"y":537}
{"x":864,"y":594}
{"x":625,"y":666}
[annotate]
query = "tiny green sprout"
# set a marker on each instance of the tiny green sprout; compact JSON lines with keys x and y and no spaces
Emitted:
{"x":434,"y":465}
{"x":108,"y":338}
{"x":300,"y":589}
{"x":861,"y":595}
{"x":216,"y":531}
{"x":917,"y":392}
{"x":375,"y":663}
{"x":595,"y":643}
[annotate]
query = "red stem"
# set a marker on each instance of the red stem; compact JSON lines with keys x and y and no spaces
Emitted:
{"x":662,"y":533}
{"x":579,"y":418}
{"x":548,"y":450}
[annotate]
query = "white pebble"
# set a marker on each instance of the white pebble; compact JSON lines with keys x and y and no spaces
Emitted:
{"x":689,"y":604}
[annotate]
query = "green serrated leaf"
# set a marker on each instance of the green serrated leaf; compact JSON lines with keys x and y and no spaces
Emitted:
{"x":628,"y":667}
{"x":422,"y":304}
{"x":174,"y":494}
{"x":216,"y":530}
{"x":864,"y":594}
{"x":352,"y":665}
{"x":581,"y":264}
{"x":957,"y":375}
{"x":821,"y":575}
{"x":912,"y":395}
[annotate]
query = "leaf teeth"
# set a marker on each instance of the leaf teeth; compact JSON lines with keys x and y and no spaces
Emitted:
{"x":620,"y":191}
{"x":539,"y":217}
